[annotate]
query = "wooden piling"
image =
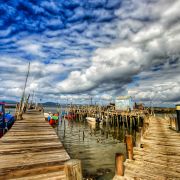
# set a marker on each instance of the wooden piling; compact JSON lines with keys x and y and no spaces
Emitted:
{"x":129,"y":143}
{"x":118,"y":121}
{"x":119,"y":159}
{"x":130,"y":122}
{"x":73,"y":170}
{"x":127,"y":125}
{"x":135,"y":123}
{"x":123,"y":120}
{"x":83,"y":135}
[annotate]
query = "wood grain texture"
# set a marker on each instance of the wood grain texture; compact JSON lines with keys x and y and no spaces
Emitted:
{"x":160,"y":156}
{"x":32,"y":150}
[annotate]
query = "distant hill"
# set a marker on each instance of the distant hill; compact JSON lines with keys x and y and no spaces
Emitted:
{"x":52,"y":104}
{"x":49,"y":104}
{"x":8,"y":101}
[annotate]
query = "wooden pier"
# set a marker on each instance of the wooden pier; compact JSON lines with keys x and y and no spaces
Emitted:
{"x":111,"y":116}
{"x":32,"y":150}
{"x":157,"y":157}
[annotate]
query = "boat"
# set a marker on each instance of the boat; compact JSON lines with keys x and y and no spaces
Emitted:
{"x":2,"y":118}
{"x":51,"y":118}
{"x":46,"y":116}
{"x":6,"y":119}
{"x":91,"y":119}
{"x":63,"y":114}
{"x":9,"y":120}
{"x":70,"y":116}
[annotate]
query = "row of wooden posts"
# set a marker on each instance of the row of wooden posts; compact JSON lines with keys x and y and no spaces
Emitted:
{"x":125,"y":119}
{"x":73,"y":168}
{"x":119,"y":157}
{"x":128,"y":120}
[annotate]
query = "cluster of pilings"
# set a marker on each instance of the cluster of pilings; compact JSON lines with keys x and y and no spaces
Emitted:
{"x":129,"y":120}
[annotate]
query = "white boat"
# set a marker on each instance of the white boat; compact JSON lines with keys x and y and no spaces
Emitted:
{"x":46,"y":115}
{"x":91,"y":119}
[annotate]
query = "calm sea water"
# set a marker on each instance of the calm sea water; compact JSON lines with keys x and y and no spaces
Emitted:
{"x":10,"y":110}
{"x":94,"y":145}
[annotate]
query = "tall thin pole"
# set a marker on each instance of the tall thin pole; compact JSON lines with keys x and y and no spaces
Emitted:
{"x":91,"y":101}
{"x":32,"y":97}
{"x":23,"y":94}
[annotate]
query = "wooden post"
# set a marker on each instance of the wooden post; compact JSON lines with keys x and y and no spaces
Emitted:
{"x":64,"y":128}
{"x":119,"y":159}
{"x":73,"y":170}
{"x":130,"y":122}
{"x":142,"y":132}
{"x":129,"y":143}
{"x":16,"y":110}
{"x":83,"y":135}
{"x":135,"y":123}
{"x":19,"y":116}
{"x":118,"y":121}
{"x":123,"y":119}
{"x":178,"y":118}
{"x":138,"y":123}
{"x":138,"y":137}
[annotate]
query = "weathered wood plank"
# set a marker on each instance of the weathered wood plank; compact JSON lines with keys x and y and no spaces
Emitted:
{"x":32,"y":150}
{"x":159,"y":155}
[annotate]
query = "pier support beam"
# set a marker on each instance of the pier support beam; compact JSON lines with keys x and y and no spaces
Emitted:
{"x":178,"y":118}
{"x":129,"y":142}
{"x":19,"y":116}
{"x":73,"y":170}
{"x":119,"y":164}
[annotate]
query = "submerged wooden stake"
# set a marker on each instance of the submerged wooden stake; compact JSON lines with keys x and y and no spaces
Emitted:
{"x":129,"y":142}
{"x":83,"y":135}
{"x":73,"y":170}
{"x":119,"y":164}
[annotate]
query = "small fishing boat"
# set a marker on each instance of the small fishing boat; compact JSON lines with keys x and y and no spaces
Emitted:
{"x":63,"y":114}
{"x":70,"y":116}
{"x":91,"y":119}
{"x":9,"y":120}
{"x":46,"y":116}
{"x":51,"y":118}
{"x":6,"y":119}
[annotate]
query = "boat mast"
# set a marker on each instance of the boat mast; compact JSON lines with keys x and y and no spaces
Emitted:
{"x":23,"y":94}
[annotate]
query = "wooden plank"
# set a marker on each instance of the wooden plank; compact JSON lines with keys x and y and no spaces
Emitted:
{"x":32,"y":150}
{"x":60,"y":175}
{"x":154,"y":170}
{"x":159,"y":158}
{"x":31,"y":170}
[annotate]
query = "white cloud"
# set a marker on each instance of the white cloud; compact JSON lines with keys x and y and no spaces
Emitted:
{"x":30,"y":46}
{"x":143,"y":61}
{"x":151,"y":46}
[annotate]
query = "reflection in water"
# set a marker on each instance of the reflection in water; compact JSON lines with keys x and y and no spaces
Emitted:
{"x":94,"y":144}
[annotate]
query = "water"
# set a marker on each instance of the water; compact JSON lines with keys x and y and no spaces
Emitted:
{"x":10,"y":110}
{"x":163,"y":115}
{"x":51,"y":109}
{"x":94,"y":145}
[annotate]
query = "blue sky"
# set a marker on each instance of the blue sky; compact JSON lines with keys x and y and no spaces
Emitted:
{"x":91,"y":48}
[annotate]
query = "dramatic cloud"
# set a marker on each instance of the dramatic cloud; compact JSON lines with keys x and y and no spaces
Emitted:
{"x":98,"y":48}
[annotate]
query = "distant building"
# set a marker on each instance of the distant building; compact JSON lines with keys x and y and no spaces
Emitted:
{"x":124,"y":103}
{"x":111,"y":106}
{"x":139,"y":106}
